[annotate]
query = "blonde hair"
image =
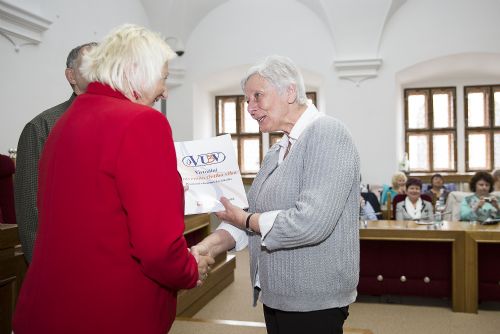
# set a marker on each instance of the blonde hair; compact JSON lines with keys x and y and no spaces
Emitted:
{"x":130,"y":59}
{"x":395,"y":179}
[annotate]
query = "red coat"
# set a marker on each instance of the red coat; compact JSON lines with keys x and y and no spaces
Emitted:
{"x":110,"y":252}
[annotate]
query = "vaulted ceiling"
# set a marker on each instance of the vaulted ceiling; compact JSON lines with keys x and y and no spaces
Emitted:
{"x":356,"y":26}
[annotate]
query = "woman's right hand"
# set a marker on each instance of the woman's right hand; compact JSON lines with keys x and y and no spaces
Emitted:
{"x":480,"y":204}
{"x":204,"y":260}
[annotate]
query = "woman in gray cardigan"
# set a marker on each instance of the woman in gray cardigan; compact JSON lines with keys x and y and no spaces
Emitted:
{"x":302,"y":223}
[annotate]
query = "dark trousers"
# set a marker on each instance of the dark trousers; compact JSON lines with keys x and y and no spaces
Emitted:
{"x":329,"y":321}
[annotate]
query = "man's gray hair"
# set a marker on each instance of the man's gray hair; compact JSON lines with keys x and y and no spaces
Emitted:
{"x":73,"y":54}
{"x":281,"y":72}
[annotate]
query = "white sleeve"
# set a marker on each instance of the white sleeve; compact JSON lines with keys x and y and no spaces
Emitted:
{"x":240,"y":236}
{"x":266,"y":222}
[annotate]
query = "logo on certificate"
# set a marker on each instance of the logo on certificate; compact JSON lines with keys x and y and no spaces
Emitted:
{"x":204,"y":159}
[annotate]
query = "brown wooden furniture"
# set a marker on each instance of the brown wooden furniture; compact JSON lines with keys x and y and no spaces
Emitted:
{"x":482,"y":265}
{"x":475,"y":272}
{"x":12,"y":269}
{"x":222,"y":274}
{"x":400,"y":267}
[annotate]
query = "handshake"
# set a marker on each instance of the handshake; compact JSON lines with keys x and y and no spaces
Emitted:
{"x":204,"y":260}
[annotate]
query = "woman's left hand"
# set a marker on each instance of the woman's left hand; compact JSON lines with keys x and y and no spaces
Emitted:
{"x":233,"y":214}
{"x":494,"y":202}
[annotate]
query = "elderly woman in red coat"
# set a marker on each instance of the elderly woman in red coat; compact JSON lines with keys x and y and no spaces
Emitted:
{"x":110,"y":253}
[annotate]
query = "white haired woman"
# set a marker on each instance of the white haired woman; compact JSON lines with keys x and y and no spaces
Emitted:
{"x":110,"y":254}
{"x":302,"y":222}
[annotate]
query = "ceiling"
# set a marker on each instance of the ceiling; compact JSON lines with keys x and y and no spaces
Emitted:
{"x":355,"y":26}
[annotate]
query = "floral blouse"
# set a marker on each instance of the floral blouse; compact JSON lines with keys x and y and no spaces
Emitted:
{"x":467,"y":212}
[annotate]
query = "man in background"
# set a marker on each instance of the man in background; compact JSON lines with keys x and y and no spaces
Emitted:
{"x":29,"y":150}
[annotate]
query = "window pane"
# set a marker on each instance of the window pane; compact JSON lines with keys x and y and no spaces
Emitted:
{"x":311,"y":97}
{"x":249,"y":125}
{"x":443,"y":154}
{"x":496,"y":97}
{"x":478,"y":151}
{"x":496,"y":144}
{"x":443,"y":115}
{"x":227,"y":116}
{"x":251,"y":156}
{"x":417,"y":115}
{"x":476,"y":109}
{"x":274,"y":138}
{"x":497,"y":150}
{"x":236,"y":151}
{"x":418,"y":152}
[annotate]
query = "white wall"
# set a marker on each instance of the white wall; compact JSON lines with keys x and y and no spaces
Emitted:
{"x":33,"y":80}
{"x":237,"y":33}
{"x":231,"y":38}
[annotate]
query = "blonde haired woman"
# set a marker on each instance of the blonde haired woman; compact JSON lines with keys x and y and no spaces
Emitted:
{"x":110,"y":254}
{"x":398,"y":182}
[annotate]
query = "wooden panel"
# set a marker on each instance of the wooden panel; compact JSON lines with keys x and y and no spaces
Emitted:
{"x":411,"y":231}
{"x":191,"y":301}
{"x":12,"y":269}
{"x":476,"y":234}
{"x":222,"y":274}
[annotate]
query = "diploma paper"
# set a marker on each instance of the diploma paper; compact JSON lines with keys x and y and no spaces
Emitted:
{"x":209,"y":168}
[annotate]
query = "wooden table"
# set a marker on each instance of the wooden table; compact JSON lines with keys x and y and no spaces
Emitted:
{"x":465,"y":238}
{"x":452,"y":232}
{"x":475,"y":234}
{"x":12,"y":269}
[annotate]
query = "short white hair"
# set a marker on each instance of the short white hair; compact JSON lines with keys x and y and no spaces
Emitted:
{"x":281,"y":72}
{"x":130,"y":60}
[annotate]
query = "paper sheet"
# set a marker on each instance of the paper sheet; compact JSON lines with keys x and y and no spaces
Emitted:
{"x":209,"y":168}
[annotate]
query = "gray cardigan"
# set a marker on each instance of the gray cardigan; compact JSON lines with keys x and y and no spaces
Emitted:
{"x":311,"y":258}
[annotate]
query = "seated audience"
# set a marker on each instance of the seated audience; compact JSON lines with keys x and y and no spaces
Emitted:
{"x":482,"y":204}
{"x":414,"y":207}
{"x":437,"y":189}
{"x":496,"y":179}
{"x":398,"y":187}
{"x":366,"y":211}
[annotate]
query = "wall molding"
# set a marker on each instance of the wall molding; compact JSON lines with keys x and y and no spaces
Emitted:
{"x":358,"y":70}
{"x":20,"y":26}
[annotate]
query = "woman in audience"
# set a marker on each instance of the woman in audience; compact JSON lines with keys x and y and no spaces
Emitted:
{"x":437,"y":190}
{"x":366,"y":211}
{"x":110,"y":254}
{"x":398,"y":187}
{"x":482,"y":204}
{"x":414,"y":207}
{"x":496,"y":179}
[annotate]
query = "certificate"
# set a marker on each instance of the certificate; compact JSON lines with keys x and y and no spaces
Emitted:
{"x":209,"y":168}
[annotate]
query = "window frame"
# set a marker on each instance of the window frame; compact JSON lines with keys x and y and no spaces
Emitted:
{"x":489,"y":130}
{"x":239,"y":135}
{"x":240,"y":103}
{"x":429,"y":130}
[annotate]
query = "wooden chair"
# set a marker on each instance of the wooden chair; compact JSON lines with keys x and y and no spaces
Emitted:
{"x":373,"y":200}
{"x":7,"y":208}
{"x":387,"y":214}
